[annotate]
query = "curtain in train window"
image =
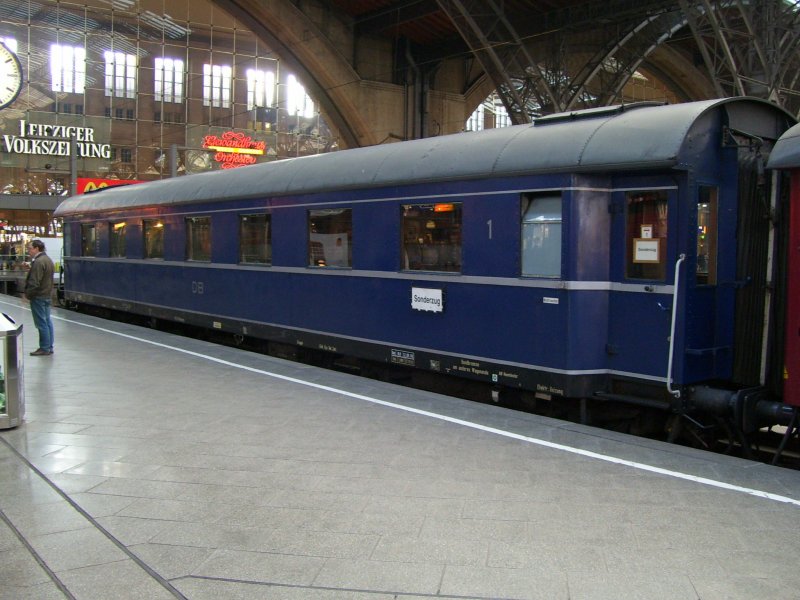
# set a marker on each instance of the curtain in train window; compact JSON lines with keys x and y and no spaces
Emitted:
{"x":88,"y":239}
{"x":153,"y":238}
{"x":646,"y":235}
{"x":255,"y":239}
{"x":198,"y":238}
{"x":432,"y":237}
{"x":330,"y":237}
{"x":116,"y":240}
{"x":707,"y":236}
{"x":541,"y":236}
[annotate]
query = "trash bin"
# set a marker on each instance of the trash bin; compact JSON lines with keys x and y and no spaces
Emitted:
{"x":12,"y":389}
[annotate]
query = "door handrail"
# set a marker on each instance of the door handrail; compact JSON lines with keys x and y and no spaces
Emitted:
{"x":675,"y":289}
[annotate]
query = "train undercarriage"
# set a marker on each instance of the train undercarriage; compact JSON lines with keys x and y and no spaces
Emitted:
{"x":745,"y":423}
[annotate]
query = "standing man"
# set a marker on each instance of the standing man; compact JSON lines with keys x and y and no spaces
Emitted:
{"x":39,"y":290}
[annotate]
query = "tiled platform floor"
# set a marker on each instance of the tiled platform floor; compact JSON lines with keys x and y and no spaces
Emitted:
{"x":151,"y":466}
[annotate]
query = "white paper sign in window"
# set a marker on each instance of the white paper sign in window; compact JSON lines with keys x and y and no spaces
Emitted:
{"x":427,"y":299}
{"x":646,"y":250}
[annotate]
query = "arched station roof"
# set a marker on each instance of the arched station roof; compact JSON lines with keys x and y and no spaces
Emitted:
{"x":541,"y":56}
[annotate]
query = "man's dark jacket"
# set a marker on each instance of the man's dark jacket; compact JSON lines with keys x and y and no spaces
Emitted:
{"x":39,"y":282}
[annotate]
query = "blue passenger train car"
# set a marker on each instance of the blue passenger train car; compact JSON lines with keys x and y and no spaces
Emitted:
{"x":616,"y":253}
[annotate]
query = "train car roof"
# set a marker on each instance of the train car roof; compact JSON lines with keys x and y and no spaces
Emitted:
{"x":786,"y":154}
{"x":636,"y":136}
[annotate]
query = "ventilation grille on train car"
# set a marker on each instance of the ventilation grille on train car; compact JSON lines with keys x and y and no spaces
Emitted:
{"x":753,"y":250}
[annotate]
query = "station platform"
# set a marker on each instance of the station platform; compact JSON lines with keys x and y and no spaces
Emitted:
{"x":151,"y":466}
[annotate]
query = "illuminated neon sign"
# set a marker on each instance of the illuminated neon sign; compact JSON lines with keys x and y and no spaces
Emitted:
{"x":233,"y":149}
{"x":90,"y":184}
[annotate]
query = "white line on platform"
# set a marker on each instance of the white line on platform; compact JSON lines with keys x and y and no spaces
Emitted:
{"x":531,"y":440}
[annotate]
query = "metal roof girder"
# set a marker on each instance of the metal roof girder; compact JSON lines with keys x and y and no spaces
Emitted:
{"x":600,"y":61}
{"x":498,"y":57}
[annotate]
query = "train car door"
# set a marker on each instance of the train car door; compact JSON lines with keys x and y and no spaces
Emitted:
{"x":644,"y":240}
{"x":650,"y":227}
{"x":707,"y":349}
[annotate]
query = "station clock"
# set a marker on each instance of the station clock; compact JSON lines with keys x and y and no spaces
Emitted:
{"x":10,"y":76}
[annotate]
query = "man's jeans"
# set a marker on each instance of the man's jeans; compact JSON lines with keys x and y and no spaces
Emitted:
{"x":40,"y":307}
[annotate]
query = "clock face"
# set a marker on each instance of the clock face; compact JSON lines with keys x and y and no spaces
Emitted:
{"x":10,"y":76}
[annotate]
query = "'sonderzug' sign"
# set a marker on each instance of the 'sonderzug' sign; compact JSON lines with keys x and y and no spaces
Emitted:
{"x":427,"y":299}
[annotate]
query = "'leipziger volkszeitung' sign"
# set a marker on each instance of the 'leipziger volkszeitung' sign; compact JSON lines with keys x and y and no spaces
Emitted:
{"x":54,"y":140}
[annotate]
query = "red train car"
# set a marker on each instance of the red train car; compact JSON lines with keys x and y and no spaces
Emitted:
{"x":786,"y":156}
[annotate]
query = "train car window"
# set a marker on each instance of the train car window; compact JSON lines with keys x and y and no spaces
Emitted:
{"x":431,"y":237}
{"x":255,"y":239}
{"x":330,"y":237}
{"x":67,"y":227}
{"x":198,"y":238}
{"x":88,"y":239}
{"x":646,"y":235}
{"x":116,"y":240}
{"x":707,"y":236}
{"x":153,"y":238}
{"x":541,"y":236}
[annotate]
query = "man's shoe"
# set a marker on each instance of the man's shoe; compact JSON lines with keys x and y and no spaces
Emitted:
{"x":41,"y":352}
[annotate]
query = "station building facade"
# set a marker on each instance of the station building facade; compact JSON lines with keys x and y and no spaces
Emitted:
{"x":117,"y":91}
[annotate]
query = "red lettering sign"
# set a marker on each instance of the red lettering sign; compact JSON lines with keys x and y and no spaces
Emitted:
{"x":90,"y":184}
{"x":229,"y":161}
{"x":234,"y":149}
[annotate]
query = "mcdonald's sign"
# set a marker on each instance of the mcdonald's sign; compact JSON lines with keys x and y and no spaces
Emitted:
{"x":90,"y":184}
